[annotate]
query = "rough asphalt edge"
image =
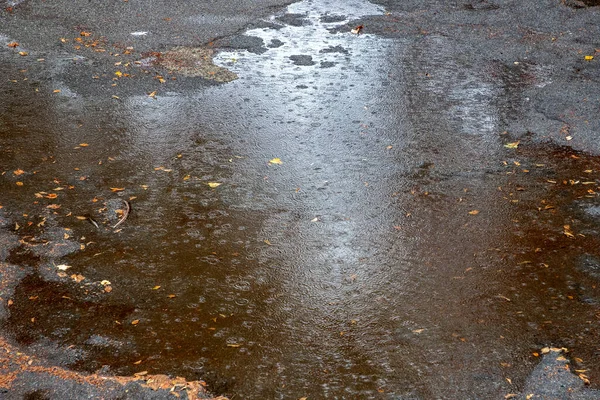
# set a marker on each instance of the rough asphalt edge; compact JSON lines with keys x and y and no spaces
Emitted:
{"x":551,"y":379}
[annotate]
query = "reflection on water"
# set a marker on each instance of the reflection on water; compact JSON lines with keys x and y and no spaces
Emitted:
{"x":351,"y":270}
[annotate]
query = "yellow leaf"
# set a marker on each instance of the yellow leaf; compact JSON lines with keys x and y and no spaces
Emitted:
{"x":23,"y":53}
{"x":512,"y":145}
{"x":19,"y":183}
{"x":275,"y":161}
{"x":135,"y":322}
{"x":214,"y":184}
{"x":588,"y":58}
{"x":233,"y":345}
{"x":156,"y":287}
{"x":153,"y":94}
{"x":119,"y":74}
{"x":83,"y":144}
{"x":171,"y":296}
{"x":56,"y":91}
{"x":474,"y":212}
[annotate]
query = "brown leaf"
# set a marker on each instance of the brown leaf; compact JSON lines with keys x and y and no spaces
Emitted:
{"x":13,"y":44}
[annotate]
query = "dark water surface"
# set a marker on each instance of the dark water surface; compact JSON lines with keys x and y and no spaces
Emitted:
{"x":400,"y":249}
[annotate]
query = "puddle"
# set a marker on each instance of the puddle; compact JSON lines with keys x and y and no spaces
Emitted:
{"x":399,"y":250}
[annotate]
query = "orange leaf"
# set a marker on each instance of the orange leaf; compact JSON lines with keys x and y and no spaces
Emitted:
{"x":13,"y":44}
{"x":117,"y":189}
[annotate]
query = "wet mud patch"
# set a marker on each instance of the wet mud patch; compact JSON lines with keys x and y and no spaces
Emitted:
{"x":581,"y":3}
{"x":194,"y":62}
{"x":554,"y":248}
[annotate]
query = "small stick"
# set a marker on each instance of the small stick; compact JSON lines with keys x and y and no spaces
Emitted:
{"x":93,"y":222}
{"x":125,"y":214}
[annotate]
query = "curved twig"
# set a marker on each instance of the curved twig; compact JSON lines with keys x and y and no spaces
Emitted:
{"x":125,"y":214}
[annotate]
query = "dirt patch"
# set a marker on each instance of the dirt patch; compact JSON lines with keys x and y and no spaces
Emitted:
{"x":20,"y":372}
{"x":195,"y":61}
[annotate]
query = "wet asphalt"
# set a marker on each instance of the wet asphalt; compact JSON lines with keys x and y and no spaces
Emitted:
{"x":252,"y":196}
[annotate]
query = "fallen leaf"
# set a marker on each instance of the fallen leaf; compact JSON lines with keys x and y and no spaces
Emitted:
{"x":474,"y":212}
{"x":233,"y":345}
{"x":156,"y":287}
{"x":18,"y":172}
{"x":13,"y":44}
{"x":588,"y":58}
{"x":357,"y":29}
{"x":153,"y":94}
{"x":63,"y":267}
{"x":135,"y":322}
{"x":23,"y":53}
{"x":275,"y":161}
{"x":567,"y":232}
{"x":171,"y":296}
{"x":56,"y":91}
{"x":86,"y":34}
{"x":137,"y":362}
{"x":19,"y":183}
{"x":116,"y":189}
{"x":108,"y":289}
{"x":83,"y":144}
{"x":214,"y":184}
{"x":77,"y":278}
{"x":142,"y":373}
{"x":418,"y":330}
{"x":105,"y":282}
{"x":512,"y":145}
